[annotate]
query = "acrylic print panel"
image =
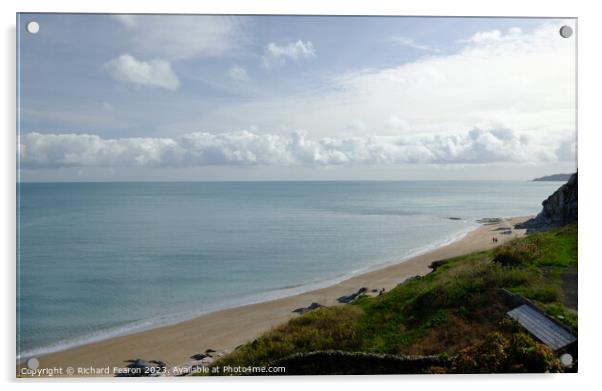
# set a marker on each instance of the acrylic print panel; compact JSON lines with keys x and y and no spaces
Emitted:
{"x":276,"y":195}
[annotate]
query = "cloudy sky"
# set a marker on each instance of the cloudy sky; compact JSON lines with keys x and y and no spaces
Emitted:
{"x":139,"y":97}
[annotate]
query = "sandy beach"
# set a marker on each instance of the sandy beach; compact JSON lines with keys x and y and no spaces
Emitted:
{"x":226,"y":329}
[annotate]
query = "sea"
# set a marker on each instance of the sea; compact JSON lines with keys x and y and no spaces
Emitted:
{"x":97,"y":260}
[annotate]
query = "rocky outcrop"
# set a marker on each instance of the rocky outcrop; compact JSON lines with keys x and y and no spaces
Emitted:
{"x":558,"y":209}
{"x":489,"y":220}
{"x":436,"y":264}
{"x":311,"y":307}
{"x":353,"y":296}
{"x":142,"y":368}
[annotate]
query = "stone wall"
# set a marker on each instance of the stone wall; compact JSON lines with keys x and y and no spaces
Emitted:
{"x":358,"y":363}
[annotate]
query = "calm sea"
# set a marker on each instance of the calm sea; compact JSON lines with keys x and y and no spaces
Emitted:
{"x":102,"y":259}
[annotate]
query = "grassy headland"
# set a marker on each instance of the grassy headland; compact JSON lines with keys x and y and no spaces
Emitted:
{"x":456,"y":314}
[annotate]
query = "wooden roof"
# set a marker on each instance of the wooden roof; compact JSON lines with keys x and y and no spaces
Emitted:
{"x":543,"y":328}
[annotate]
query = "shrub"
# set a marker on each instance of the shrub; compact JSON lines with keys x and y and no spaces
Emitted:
{"x":544,"y":294}
{"x":499,"y":354}
{"x":517,"y":253}
{"x":322,"y":329}
{"x":526,"y":355}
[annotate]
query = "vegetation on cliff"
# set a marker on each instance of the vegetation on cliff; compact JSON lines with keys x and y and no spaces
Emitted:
{"x":455,"y":313}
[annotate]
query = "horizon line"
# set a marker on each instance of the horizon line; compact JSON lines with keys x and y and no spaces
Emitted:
{"x":285,"y":180}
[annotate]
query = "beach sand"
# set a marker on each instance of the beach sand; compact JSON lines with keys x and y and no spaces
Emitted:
{"x":226,"y":329}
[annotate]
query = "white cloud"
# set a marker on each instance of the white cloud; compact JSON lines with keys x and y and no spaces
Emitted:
{"x":513,"y":79}
{"x":177,"y":37}
{"x":238,"y":73}
{"x":247,"y":148}
{"x":495,"y":36}
{"x":357,"y":125}
{"x":129,"y":21}
{"x":409,"y":42}
{"x":278,"y":54}
{"x":567,"y":151}
{"x":292,"y":50}
{"x":397,"y":123}
{"x":153,"y":73}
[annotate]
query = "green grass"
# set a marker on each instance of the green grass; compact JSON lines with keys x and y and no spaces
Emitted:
{"x":554,"y":252}
{"x":334,"y":328}
{"x":556,"y":248}
{"x":561,"y":313}
{"x":453,"y":311}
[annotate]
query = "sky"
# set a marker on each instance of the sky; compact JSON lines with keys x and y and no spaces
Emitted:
{"x":208,"y":97}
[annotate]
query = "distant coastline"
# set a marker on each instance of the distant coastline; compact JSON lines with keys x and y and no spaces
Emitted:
{"x":553,"y":178}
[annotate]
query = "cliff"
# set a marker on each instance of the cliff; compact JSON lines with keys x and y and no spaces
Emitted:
{"x":558,"y":209}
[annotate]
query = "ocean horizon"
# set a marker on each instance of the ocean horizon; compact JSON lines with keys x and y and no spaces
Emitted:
{"x":101,"y":259}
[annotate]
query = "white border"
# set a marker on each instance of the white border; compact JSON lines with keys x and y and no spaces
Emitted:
{"x":590,"y":126}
